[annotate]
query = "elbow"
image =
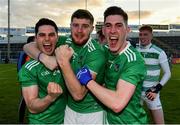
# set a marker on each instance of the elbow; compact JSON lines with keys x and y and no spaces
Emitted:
{"x":78,"y":97}
{"x":168,"y":75}
{"x":24,"y":47}
{"x":32,"y":111}
{"x":117,"y":108}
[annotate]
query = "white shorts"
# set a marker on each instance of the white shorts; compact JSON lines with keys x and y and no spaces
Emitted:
{"x":153,"y":105}
{"x":72,"y":117}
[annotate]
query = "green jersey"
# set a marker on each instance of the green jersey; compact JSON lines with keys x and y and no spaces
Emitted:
{"x":35,"y":73}
{"x":129,"y":66}
{"x":91,"y":55}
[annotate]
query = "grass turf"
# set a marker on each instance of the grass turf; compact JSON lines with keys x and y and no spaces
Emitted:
{"x":10,"y":93}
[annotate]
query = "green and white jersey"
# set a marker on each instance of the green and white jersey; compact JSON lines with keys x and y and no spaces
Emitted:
{"x":153,"y":57}
{"x":91,"y":55}
{"x":128,"y":65}
{"x":35,"y":73}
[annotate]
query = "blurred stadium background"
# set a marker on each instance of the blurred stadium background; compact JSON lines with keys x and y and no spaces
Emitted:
{"x":165,"y":36}
{"x":12,"y":40}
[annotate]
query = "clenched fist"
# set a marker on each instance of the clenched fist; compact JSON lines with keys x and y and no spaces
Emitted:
{"x":63,"y":54}
{"x":54,"y":90}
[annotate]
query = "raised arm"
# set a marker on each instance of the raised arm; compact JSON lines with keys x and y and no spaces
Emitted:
{"x":32,"y":50}
{"x":36,"y":104}
{"x":116,"y":99}
{"x":63,"y":55}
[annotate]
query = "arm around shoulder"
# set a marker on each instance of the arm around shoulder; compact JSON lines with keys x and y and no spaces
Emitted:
{"x":117,"y":99}
{"x":31,"y":50}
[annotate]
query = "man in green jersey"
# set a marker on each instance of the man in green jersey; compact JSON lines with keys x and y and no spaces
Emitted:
{"x":124,"y":73}
{"x":76,"y":51}
{"x":44,"y":90}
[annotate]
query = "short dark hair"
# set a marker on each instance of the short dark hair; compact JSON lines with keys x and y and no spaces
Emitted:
{"x":100,"y":32}
{"x":82,"y":14}
{"x":30,"y":39}
{"x":45,"y":21}
{"x":114,"y":10}
{"x":146,"y":27}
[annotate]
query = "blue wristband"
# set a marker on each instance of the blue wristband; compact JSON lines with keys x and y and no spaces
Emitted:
{"x":84,"y":76}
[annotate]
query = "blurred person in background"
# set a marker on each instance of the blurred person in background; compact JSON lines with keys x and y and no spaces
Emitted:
{"x":23,"y":57}
{"x":156,"y":60}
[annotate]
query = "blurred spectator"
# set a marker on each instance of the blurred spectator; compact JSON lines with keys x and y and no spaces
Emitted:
{"x":156,"y":61}
{"x":6,"y":60}
{"x":101,"y":37}
{"x":22,"y":55}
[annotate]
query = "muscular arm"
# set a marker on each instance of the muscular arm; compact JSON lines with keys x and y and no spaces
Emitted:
{"x":37,"y":105}
{"x":117,"y":99}
{"x":32,"y":50}
{"x":75,"y":88}
{"x":63,"y":55}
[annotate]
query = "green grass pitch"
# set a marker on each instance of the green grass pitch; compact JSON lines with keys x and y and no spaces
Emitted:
{"x":10,"y":94}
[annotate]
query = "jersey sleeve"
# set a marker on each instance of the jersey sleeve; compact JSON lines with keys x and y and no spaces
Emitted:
{"x":61,"y":40}
{"x":27,"y":77}
{"x":163,"y":57}
{"x":134,"y":73}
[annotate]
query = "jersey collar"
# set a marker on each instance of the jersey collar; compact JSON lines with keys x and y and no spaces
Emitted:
{"x":146,"y":47}
{"x":89,"y":40}
{"x":127,"y":46}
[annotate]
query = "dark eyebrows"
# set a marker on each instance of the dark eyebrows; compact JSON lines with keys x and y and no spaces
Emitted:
{"x":49,"y":34}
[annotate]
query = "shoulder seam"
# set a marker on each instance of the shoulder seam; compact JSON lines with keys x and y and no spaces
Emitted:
{"x":157,"y":48}
{"x":91,"y":47}
{"x":31,"y":64}
{"x":131,"y":56}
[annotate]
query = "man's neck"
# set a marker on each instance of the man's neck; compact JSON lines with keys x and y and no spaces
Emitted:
{"x":146,"y":46}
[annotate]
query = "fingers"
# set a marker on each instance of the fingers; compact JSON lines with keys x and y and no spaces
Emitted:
{"x":151,"y":96}
{"x":71,"y":50}
{"x":54,"y":89}
{"x":64,"y":52}
{"x":62,"y":48}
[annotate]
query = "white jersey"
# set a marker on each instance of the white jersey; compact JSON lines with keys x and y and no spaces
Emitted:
{"x":153,"y":57}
